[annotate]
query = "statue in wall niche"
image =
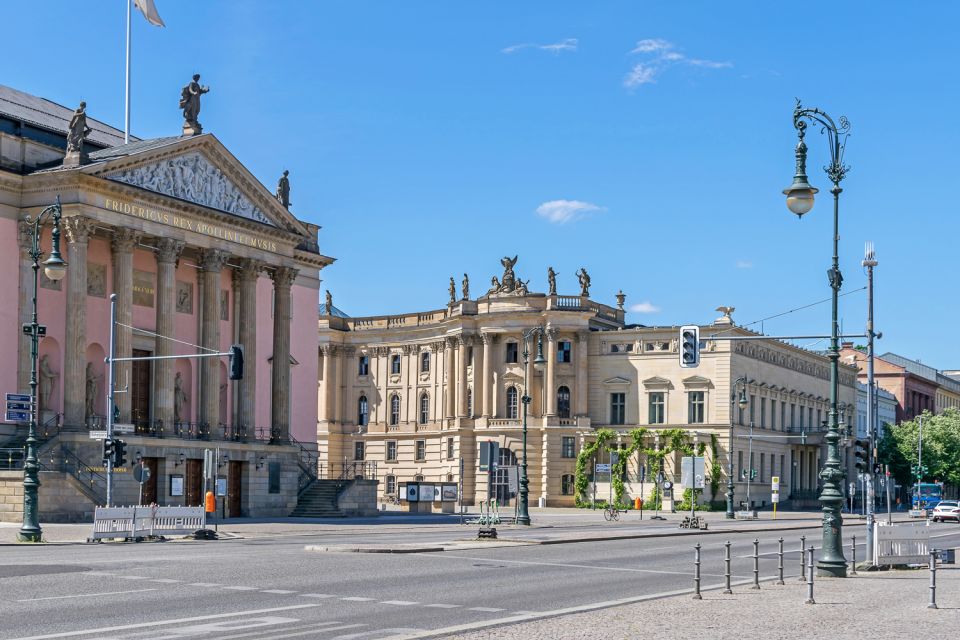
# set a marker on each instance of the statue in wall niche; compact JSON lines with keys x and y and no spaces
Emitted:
{"x":190,"y":103}
{"x":179,"y":397}
{"x":453,"y":290}
{"x":465,"y":288}
{"x":77,"y":130}
{"x":552,"y":280}
{"x":48,"y":378}
{"x":91,"y":385}
{"x":584,"y":279}
{"x":283,"y":190}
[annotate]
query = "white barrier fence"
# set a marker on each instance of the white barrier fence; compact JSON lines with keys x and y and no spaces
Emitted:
{"x":901,"y":544}
{"x":146,"y":521}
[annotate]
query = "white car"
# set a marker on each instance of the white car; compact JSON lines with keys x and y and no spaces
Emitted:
{"x":946,"y":510}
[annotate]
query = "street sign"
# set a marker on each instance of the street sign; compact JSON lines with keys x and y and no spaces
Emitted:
{"x":775,"y":484}
{"x":141,"y":473}
{"x":18,"y":407}
{"x":692,"y":472}
{"x":775,"y":497}
{"x":98,"y":435}
{"x":122,"y":427}
{"x":18,"y":397}
{"x":602,"y":467}
{"x":17,"y":416}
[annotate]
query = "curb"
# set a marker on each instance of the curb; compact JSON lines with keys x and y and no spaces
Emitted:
{"x":398,"y":550}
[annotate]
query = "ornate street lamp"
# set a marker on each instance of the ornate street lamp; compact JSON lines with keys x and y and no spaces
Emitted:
{"x":55,"y":268}
{"x":800,"y":201}
{"x":539,"y":362}
{"x":741,"y":403}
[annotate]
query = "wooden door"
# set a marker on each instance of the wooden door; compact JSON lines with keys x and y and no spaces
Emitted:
{"x":150,"y":486}
{"x":194,"y":482}
{"x":140,"y":390}
{"x":234,"y":489}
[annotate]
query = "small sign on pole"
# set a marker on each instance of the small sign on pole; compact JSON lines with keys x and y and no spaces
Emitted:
{"x":18,"y":407}
{"x":98,"y":435}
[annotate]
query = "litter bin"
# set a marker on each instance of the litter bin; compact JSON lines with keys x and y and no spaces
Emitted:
{"x":541,"y":502}
{"x":636,"y":503}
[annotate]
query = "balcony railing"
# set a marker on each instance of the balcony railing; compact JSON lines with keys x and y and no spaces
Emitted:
{"x":205,"y":431}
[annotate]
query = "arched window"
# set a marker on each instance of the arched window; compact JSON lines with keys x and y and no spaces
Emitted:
{"x":563,"y":402}
{"x":424,"y":408}
{"x":363,"y":411}
{"x":469,"y":403}
{"x":512,"y":403}
{"x":394,"y":409}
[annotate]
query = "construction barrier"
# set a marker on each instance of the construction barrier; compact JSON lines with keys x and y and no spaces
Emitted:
{"x":145,"y":521}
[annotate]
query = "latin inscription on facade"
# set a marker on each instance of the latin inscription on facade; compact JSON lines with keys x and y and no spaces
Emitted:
{"x":189,"y":224}
{"x":143,"y":288}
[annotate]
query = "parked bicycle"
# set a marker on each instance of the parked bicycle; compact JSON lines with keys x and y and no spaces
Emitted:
{"x":610,"y":512}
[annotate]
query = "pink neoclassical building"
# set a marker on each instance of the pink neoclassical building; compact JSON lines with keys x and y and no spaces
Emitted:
{"x":199,"y":254}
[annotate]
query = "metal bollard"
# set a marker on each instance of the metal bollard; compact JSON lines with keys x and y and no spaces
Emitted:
{"x":726,"y":574}
{"x":810,"y":599}
{"x":853,"y":556}
{"x":696,"y":574}
{"x":756,"y":564}
{"x":933,"y":580}
{"x":780,"y":561}
{"x":803,"y":557}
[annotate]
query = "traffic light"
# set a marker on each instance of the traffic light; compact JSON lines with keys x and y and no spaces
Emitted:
{"x":119,"y":453}
{"x":236,"y":362}
{"x":753,"y":474}
{"x":877,"y":469}
{"x":107,"y":450}
{"x":689,"y":346}
{"x":860,"y":455}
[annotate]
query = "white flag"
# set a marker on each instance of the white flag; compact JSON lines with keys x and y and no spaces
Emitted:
{"x":149,"y":11}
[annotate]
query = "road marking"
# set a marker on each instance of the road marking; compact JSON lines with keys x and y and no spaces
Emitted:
{"x":557,"y":564}
{"x":276,"y":591}
{"x":84,"y":595}
{"x":485,"y":609}
{"x":342,"y":627}
{"x":204,"y":584}
{"x":239,"y":588}
{"x":443,"y":606}
{"x":378,"y":634}
{"x":158,"y":623}
{"x":357,"y":599}
{"x":245,"y":624}
{"x":317,"y":595}
{"x":166,"y":580}
{"x":399,"y":603}
{"x":133,"y":577}
{"x":97,"y":573}
{"x":315,"y":627}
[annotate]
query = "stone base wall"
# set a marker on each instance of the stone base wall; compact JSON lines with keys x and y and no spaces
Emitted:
{"x":60,"y":499}
{"x":359,"y":498}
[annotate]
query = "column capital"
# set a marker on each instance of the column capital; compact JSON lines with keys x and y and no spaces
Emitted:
{"x":329,"y":349}
{"x":490,"y":338}
{"x":582,"y":336}
{"x":212,"y":260}
{"x":249,"y":269}
{"x":283,"y":277}
{"x":124,"y":240}
{"x":25,"y":235}
{"x":77,"y":229}
{"x":552,"y":333}
{"x":168,"y":250}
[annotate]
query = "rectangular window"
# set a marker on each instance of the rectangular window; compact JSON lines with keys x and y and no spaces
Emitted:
{"x":395,"y":363}
{"x":363,"y":366}
{"x":566,"y":484}
{"x":512,"y":352}
{"x":618,"y":405}
{"x":656,"y":408}
{"x":773,"y":414}
{"x":695,"y":408}
{"x":421,"y":450}
{"x":564,"y":353}
{"x":567,"y":447}
{"x":763,"y":413}
{"x":391,"y":485}
{"x":449,"y":448}
{"x":810,"y":422}
{"x":273,"y":477}
{"x":753,"y":401}
{"x":819,"y":418}
{"x":793,"y":416}
{"x":391,"y":450}
{"x":358,"y":451}
{"x":783,"y":416}
{"x":425,"y":362}
{"x":762,"y":463}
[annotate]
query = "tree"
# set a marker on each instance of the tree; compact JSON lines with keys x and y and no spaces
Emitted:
{"x":941,"y":448}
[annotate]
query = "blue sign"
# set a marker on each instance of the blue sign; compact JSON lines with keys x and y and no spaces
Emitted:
{"x":17,"y":416}
{"x":18,"y":397}
{"x":18,"y":406}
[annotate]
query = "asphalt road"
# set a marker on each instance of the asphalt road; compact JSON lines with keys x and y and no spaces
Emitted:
{"x":272,"y":588}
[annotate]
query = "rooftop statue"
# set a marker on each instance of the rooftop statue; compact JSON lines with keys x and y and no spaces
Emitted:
{"x":584,"y":282}
{"x":283,"y":190}
{"x":190,"y":103}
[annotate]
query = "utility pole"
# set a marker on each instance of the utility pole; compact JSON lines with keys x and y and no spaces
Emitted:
{"x":869,"y":262}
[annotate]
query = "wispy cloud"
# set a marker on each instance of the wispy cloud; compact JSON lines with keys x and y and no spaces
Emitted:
{"x":644,"y":307}
{"x":744,"y":264}
{"x":563,"y":211}
{"x":659,"y":55}
{"x":567,"y":45}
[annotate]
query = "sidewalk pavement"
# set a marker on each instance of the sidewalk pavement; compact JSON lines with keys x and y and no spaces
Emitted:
{"x":877,"y":605}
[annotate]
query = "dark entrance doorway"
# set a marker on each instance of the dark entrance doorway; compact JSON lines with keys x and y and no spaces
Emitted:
{"x":150,"y":486}
{"x":140,"y":391}
{"x":194,"y":482}
{"x":234,"y":489}
{"x":506,"y":469}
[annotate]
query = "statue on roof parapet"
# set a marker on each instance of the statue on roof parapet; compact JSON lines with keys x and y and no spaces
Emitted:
{"x":77,"y":132}
{"x":465,"y":287}
{"x":283,"y":189}
{"x":552,"y":280}
{"x":584,"y":282}
{"x":190,"y":103}
{"x":453,"y":291}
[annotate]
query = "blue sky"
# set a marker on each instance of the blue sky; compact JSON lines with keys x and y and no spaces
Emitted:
{"x":648,"y":142}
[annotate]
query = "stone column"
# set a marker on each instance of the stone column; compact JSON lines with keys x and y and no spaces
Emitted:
{"x":581,"y":408}
{"x":124,"y":240}
{"x":25,"y":305}
{"x":283,"y":278}
{"x":494,"y":357}
{"x":211,"y":263}
{"x":550,"y":390}
{"x":247,"y":276}
{"x":479,"y":380}
{"x":328,"y":382}
{"x":462,"y":343}
{"x":450,"y":390}
{"x":168,"y":252}
{"x":77,"y":230}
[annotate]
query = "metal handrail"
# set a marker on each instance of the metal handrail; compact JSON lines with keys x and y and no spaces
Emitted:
{"x":11,"y":458}
{"x":83,"y":472}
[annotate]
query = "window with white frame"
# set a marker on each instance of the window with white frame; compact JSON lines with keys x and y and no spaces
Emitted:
{"x":421,"y":449}
{"x":363,"y":411}
{"x":512,"y":403}
{"x":424,"y":408}
{"x":425,"y":362}
{"x":618,"y":408}
{"x":695,"y":407}
{"x":390,"y":485}
{"x":358,"y":450}
{"x":363,"y":366}
{"x":394,"y":409}
{"x":566,"y":484}
{"x":395,"y":363}
{"x":568,"y":447}
{"x":656,"y":402}
{"x":391,"y":455}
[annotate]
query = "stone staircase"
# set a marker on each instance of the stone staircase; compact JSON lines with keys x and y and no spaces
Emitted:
{"x":319,"y":501}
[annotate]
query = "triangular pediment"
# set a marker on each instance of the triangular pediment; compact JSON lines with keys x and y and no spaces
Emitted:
{"x":657,"y":381}
{"x":617,"y":380}
{"x":697,"y":381}
{"x":198,"y":170}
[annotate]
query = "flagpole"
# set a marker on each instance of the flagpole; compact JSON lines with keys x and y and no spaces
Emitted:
{"x":126,"y":125}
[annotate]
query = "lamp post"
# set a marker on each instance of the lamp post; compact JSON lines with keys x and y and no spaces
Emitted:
{"x":740,"y":402}
{"x":523,"y":511}
{"x":800,"y":201}
{"x":55,"y":268}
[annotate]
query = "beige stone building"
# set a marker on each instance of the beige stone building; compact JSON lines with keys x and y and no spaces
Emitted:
{"x":412,"y":394}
